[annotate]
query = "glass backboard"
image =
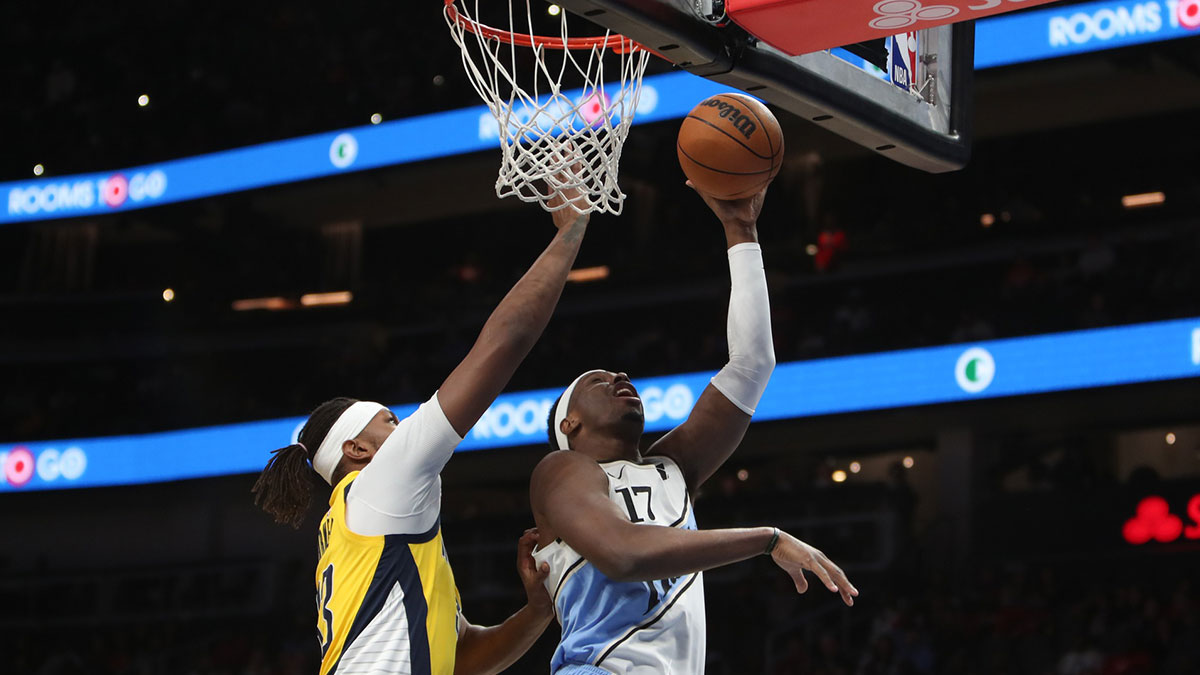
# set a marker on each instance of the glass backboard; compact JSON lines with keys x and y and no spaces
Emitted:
{"x":906,"y":96}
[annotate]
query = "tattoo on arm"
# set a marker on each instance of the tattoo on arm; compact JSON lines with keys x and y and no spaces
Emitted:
{"x":576,"y":229}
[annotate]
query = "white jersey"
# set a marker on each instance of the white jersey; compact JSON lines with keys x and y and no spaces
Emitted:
{"x":636,"y":628}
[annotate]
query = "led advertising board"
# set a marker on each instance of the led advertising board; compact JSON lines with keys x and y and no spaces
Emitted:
{"x":997,"y":368}
{"x":1002,"y":40}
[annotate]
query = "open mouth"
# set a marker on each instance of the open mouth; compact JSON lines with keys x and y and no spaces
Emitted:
{"x":625,"y":390}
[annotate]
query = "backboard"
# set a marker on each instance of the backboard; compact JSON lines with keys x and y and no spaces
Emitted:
{"x":907,"y":97}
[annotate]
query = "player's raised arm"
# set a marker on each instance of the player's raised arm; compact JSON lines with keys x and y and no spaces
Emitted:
{"x":399,"y":459}
{"x":719,"y":420}
{"x":513,"y":328}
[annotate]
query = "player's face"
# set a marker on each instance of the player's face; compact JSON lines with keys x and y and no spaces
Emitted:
{"x":605,"y":399}
{"x":377,"y":431}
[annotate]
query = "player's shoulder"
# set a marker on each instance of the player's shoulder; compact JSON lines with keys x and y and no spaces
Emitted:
{"x":563,"y":460}
{"x":562,"y":466}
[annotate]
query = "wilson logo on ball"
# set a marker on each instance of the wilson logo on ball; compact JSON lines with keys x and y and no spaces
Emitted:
{"x":738,"y":118}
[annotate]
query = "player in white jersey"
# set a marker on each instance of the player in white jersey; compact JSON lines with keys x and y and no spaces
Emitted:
{"x":616,"y":526}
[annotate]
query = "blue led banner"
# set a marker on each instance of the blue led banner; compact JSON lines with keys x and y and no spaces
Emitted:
{"x":1020,"y":37}
{"x":1045,"y":363}
{"x":368,"y":147}
{"x":1075,"y":29}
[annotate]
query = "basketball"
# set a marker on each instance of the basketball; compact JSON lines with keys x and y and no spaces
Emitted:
{"x":730,"y":146}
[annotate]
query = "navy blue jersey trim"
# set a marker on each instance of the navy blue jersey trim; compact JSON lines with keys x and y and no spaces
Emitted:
{"x":419,"y":538}
{"x":396,"y":565}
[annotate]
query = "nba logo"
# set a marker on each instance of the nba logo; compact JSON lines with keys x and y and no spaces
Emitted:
{"x":902,"y":60}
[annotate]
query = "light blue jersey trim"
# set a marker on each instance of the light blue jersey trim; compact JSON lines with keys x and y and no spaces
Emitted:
{"x":596,"y":612}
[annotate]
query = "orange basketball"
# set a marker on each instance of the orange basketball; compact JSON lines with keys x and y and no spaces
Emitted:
{"x":730,"y":146}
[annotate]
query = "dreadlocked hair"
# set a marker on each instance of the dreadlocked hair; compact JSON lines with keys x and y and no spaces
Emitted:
{"x":284,"y":489}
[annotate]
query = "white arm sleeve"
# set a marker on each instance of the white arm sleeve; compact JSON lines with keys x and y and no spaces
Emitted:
{"x":400,"y":491}
{"x":751,"y":350}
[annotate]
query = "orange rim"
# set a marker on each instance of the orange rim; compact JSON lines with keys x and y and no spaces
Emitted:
{"x":618,"y":43}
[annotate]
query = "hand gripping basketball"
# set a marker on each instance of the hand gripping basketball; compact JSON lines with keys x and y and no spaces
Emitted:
{"x":795,"y":556}
{"x":741,"y":212}
{"x":730,"y":146}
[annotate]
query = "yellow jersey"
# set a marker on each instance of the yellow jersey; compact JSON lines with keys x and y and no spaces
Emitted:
{"x":385,"y":604}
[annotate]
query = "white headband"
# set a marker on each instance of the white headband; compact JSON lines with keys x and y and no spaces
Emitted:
{"x":348,"y":425}
{"x":560,"y":413}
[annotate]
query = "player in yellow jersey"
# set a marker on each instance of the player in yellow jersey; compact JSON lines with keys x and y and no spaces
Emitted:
{"x":386,"y":598}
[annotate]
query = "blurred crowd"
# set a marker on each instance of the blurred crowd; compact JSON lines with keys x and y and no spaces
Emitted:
{"x":216,"y":80}
{"x":856,"y":264}
{"x":1014,"y":620}
{"x":1077,"y":615}
{"x":237,"y":646}
{"x":1049,"y":588}
{"x":163,"y":367}
{"x":860,"y":257}
{"x":1003,"y":622}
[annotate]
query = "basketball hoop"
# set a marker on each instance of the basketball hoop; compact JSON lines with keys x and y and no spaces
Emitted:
{"x":552,"y":140}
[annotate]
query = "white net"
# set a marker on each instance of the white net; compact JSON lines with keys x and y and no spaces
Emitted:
{"x":551,"y":140}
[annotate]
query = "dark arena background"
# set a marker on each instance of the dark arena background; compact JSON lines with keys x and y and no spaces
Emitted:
{"x":1043,"y":516}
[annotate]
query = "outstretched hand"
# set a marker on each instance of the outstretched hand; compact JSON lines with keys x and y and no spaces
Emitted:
{"x":734,"y":212}
{"x":794,"y":556}
{"x":533,"y":576}
{"x":571,"y":199}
